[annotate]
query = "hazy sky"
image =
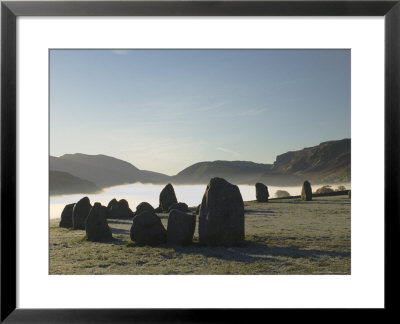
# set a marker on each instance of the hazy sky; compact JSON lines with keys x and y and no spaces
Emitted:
{"x":163,"y":110}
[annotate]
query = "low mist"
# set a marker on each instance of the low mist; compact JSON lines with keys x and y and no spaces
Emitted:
{"x":137,"y":193}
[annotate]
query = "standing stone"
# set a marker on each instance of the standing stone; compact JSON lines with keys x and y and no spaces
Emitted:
{"x":167,"y":197}
{"x":349,"y":194}
{"x":142,"y":207}
{"x":80,"y":212}
{"x":111,"y":203}
{"x":66,"y":216}
{"x":180,"y":229}
{"x":158,"y":210}
{"x":120,"y":210}
{"x":147,"y":229}
{"x":179,"y":206}
{"x":221,"y":219}
{"x":306,"y":192}
{"x":262,"y":193}
{"x":97,"y":228}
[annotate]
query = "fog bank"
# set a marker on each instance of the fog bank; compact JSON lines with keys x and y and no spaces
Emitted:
{"x":137,"y":193}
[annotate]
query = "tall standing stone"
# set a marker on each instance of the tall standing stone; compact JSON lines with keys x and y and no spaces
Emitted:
{"x":97,"y":228}
{"x":66,"y":216}
{"x":80,"y":212}
{"x":306,"y":191}
{"x":221,"y":219}
{"x":167,"y":197}
{"x":262,"y":193}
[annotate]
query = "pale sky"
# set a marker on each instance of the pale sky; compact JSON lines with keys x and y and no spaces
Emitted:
{"x":163,"y":110}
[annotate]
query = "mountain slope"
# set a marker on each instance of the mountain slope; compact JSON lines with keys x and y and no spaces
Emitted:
{"x":104,"y":171}
{"x":326,"y":162}
{"x":238,"y":172}
{"x":65,"y":183}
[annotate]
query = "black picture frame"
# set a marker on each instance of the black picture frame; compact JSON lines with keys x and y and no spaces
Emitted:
{"x":10,"y":10}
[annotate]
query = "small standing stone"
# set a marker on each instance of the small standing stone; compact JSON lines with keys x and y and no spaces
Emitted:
{"x":179,"y":206}
{"x":97,"y":228}
{"x":147,"y":229}
{"x":306,"y":191}
{"x":66,"y":216}
{"x":262,"y":193}
{"x":120,"y":210}
{"x":111,"y":203}
{"x":180,"y":229}
{"x":144,"y":206}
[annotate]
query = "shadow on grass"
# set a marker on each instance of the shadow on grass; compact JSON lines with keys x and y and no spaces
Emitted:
{"x":238,"y":253}
{"x":254,"y":252}
{"x":119,"y":221}
{"x":246,"y":252}
{"x":113,"y":241}
{"x":319,"y":202}
{"x":120,"y":231}
{"x":260,"y":211}
{"x":301,"y":253}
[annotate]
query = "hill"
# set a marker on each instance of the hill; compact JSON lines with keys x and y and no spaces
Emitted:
{"x":238,"y":172}
{"x":103,"y":170}
{"x":65,"y":183}
{"x":326,"y":162}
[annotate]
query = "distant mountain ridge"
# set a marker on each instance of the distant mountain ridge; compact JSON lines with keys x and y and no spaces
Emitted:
{"x":62,"y":183}
{"x":233,"y":171}
{"x":103,"y":170}
{"x":326,"y":162}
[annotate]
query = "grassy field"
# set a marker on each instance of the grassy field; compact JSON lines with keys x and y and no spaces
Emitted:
{"x":282,"y":237}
